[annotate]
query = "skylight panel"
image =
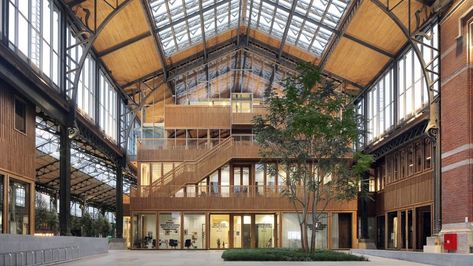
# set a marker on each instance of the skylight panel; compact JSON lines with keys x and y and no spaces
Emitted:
{"x":307,"y":28}
{"x":182,"y":18}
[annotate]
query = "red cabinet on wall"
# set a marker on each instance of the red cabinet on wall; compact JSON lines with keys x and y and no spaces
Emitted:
{"x":450,"y":242}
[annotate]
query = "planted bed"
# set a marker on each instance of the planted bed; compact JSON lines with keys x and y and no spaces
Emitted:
{"x":284,"y":254}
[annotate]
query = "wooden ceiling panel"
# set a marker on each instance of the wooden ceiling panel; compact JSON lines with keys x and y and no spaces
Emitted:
{"x":129,"y":23}
{"x":354,"y":62}
{"x":133,"y":61}
{"x":373,"y":26}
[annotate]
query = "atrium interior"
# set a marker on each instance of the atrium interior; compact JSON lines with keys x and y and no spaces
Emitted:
{"x":134,"y":120}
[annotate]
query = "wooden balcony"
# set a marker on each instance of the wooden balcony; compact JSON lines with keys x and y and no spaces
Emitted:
{"x":247,"y":118}
{"x":227,"y":198}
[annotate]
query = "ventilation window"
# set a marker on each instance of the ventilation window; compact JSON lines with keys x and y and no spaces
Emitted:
{"x":20,"y":116}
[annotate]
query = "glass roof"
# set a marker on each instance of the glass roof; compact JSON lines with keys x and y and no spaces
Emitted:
{"x":179,"y":22}
{"x":236,"y":71}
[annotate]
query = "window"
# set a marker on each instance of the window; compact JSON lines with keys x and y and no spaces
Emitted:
{"x":170,"y":230}
{"x":410,"y":160}
{"x":389,"y":169}
{"x":86,"y":95}
{"x":20,"y":116}
{"x":19,"y":207}
{"x":34,"y":33}
{"x":427,"y":154}
{"x":419,"y":152}
{"x":380,"y":106}
{"x":108,"y":108}
{"x":402,"y":155}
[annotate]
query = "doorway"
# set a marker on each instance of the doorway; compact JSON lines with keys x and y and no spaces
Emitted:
{"x":423,"y":226}
{"x":344,"y":227}
{"x":242,"y":231}
{"x":380,"y":232}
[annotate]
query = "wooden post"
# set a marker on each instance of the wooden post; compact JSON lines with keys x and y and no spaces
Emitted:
{"x":386,"y":228}
{"x":182,"y":228}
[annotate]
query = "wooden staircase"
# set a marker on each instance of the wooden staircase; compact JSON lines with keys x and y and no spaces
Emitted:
{"x":191,"y":172}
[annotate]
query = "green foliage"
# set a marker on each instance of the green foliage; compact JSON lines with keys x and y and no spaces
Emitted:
{"x":310,"y":128}
{"x":88,"y":225}
{"x":283,"y":254}
{"x":102,"y":226}
{"x":45,"y":220}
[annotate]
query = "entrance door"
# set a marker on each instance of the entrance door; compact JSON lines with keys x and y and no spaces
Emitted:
{"x":241,"y":231}
{"x":344,"y":227}
{"x":423,"y":226}
{"x":380,"y":232}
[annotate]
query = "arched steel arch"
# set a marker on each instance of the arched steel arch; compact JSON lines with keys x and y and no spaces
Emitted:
{"x":433,"y":128}
{"x":92,"y":36}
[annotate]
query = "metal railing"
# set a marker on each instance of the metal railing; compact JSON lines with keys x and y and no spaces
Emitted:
{"x":40,"y":257}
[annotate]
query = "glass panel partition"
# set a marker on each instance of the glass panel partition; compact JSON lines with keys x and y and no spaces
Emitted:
{"x":194,"y":231}
{"x":170,"y":230}
{"x":219,"y":231}
{"x":144,"y":231}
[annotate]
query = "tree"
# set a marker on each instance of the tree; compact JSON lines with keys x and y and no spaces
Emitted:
{"x":88,"y":225}
{"x":310,"y":128}
{"x":102,"y":226}
{"x":46,"y":220}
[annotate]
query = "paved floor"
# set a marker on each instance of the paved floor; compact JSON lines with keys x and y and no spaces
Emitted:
{"x":210,"y":258}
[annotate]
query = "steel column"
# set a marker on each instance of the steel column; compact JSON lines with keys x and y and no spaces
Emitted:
{"x":65,"y":182}
{"x":119,"y":200}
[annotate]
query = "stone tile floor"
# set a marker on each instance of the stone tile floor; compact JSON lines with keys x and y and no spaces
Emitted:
{"x":208,"y":258}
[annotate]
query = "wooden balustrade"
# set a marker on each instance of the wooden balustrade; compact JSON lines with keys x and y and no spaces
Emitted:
{"x":197,"y":117}
{"x":226,"y":198}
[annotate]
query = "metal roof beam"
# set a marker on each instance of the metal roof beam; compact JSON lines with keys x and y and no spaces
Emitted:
{"x":124,"y":44}
{"x":197,"y":13}
{"x":157,"y":41}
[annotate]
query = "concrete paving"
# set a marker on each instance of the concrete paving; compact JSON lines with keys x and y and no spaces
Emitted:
{"x":208,"y":258}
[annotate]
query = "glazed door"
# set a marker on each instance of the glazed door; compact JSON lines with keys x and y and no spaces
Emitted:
{"x":241,"y":179}
{"x":241,"y":231}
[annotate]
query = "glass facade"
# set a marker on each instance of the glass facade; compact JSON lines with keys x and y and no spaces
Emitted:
{"x":34,"y":33}
{"x":144,"y":231}
{"x":291,"y":231}
{"x":194,"y":231}
{"x":219,"y":231}
{"x":265,"y":230}
{"x":170,"y":230}
{"x":400,"y":93}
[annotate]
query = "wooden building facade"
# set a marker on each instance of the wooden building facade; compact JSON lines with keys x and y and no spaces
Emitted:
{"x":17,"y":162}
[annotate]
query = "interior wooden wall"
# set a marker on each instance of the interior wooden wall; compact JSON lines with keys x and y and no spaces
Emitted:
{"x":17,"y":150}
{"x":197,"y":117}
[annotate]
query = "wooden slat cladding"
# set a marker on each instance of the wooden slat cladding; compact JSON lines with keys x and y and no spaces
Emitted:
{"x":197,"y":117}
{"x":413,"y":191}
{"x":228,"y":204}
{"x":17,"y":150}
{"x":247,"y":118}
